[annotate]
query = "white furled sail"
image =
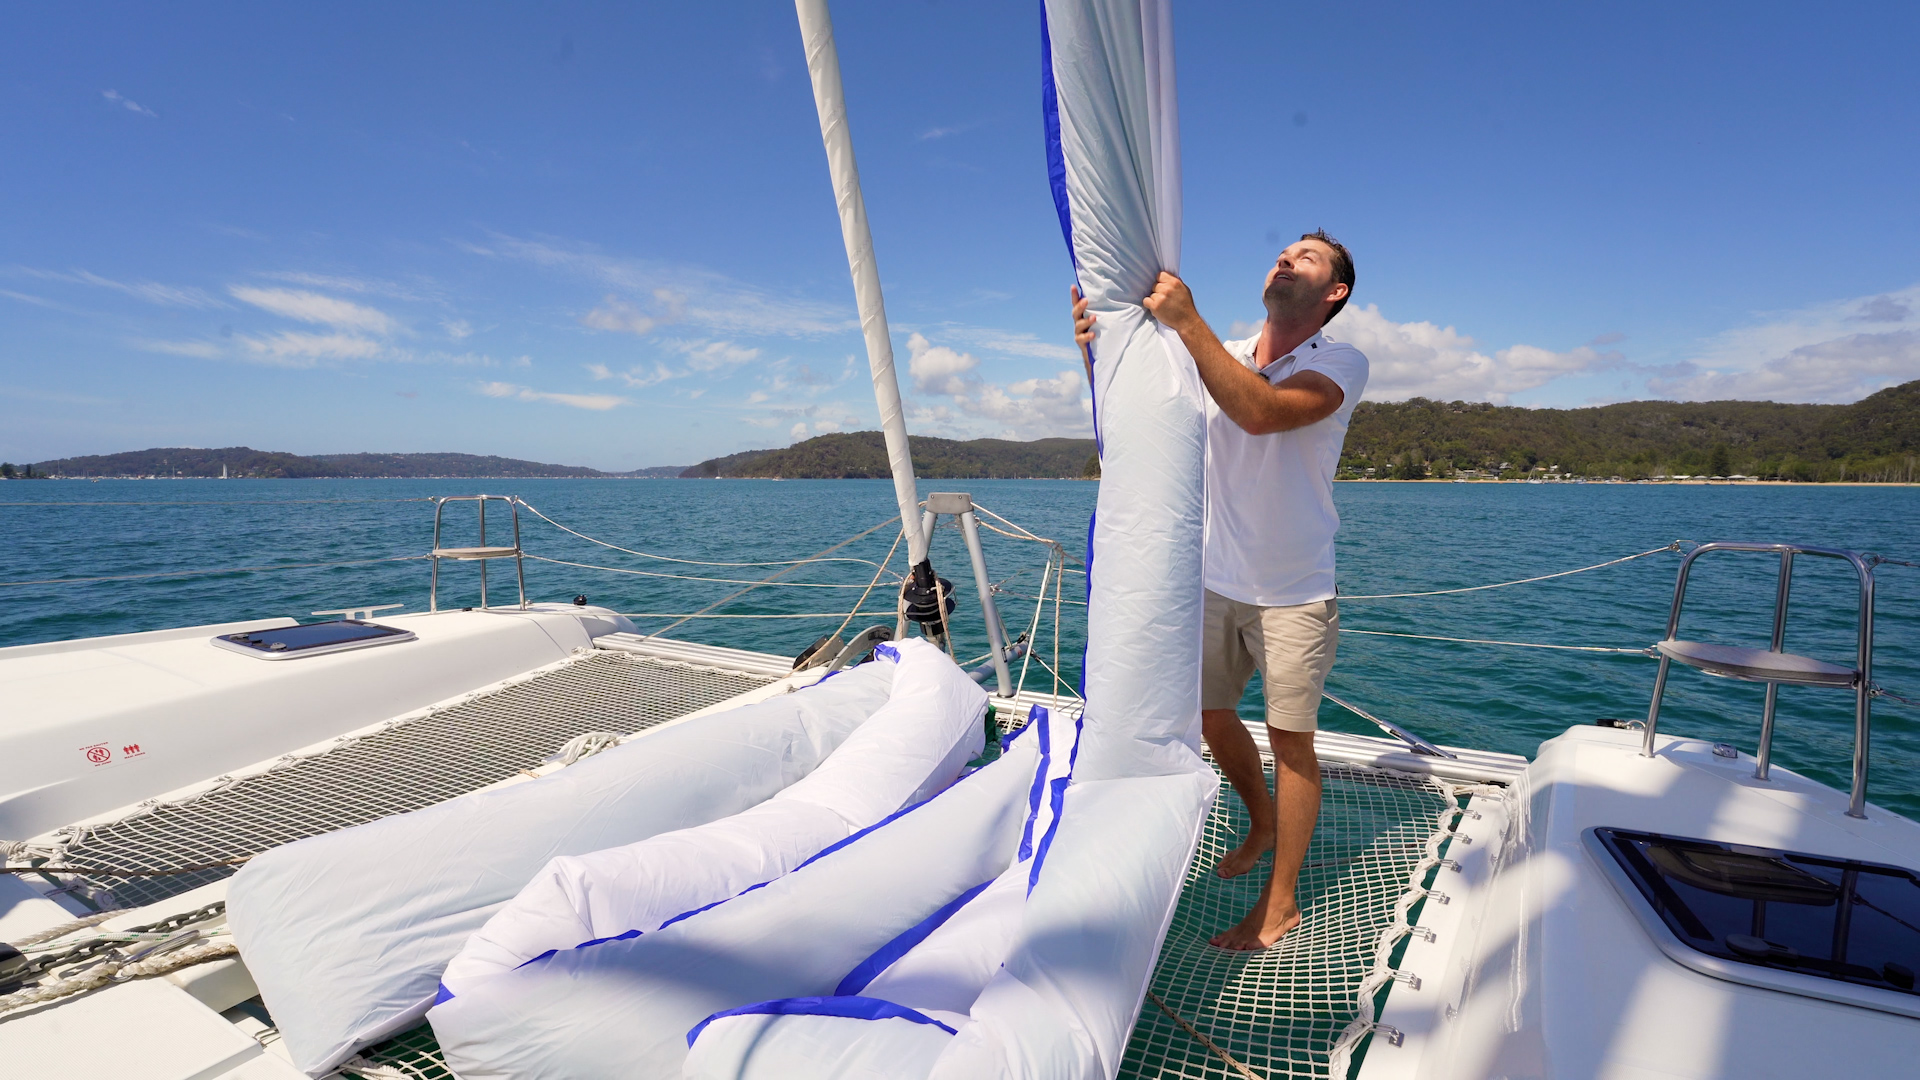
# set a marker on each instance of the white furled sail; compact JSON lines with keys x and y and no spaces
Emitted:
{"x":830,"y":99}
{"x":1113,"y":150}
{"x":1006,"y":927}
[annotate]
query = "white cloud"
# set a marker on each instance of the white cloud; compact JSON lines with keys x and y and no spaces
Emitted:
{"x":1841,"y":370}
{"x":594,"y":402}
{"x":618,"y":315}
{"x":127,"y":103}
{"x":825,"y":426}
{"x":343,"y":283}
{"x":636,"y":376}
{"x":1027,"y":409}
{"x":714,"y":355}
{"x":151,"y":291}
{"x":937,"y":369}
{"x":204,"y":350}
{"x":1818,"y":354}
{"x":1420,"y":359}
{"x":1013,"y":343}
{"x":457,"y":329}
{"x":799,"y":431}
{"x":293,"y":348}
{"x":690,"y":294}
{"x":314,"y":308}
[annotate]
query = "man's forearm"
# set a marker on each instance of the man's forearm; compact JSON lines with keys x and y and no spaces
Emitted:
{"x":1240,"y":392}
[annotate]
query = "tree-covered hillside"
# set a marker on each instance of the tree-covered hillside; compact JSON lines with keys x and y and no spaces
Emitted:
{"x":243,"y":461}
{"x":1876,"y":438}
{"x":863,"y":454}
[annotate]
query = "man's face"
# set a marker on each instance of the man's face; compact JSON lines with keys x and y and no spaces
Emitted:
{"x":1301,"y":279}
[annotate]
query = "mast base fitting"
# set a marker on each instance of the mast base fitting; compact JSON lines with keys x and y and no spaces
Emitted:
{"x":921,"y":600}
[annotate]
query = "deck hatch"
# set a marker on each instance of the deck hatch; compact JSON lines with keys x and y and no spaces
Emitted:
{"x":312,"y":639}
{"x":1842,"y":920}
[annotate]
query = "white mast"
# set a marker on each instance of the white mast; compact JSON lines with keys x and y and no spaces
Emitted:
{"x":823,"y":63}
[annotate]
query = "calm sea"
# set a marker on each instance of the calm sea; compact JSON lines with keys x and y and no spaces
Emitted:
{"x":1395,"y":538}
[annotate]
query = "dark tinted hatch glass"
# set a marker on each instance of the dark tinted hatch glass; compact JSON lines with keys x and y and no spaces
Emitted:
{"x":313,"y":635}
{"x":1840,"y":919}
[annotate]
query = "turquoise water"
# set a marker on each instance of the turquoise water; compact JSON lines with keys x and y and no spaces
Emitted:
{"x":1395,"y":538}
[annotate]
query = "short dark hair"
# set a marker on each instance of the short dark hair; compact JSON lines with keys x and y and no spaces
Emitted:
{"x":1342,"y":267}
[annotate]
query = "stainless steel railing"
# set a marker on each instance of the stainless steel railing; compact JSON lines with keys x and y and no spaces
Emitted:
{"x":481,"y":554}
{"x":1773,"y":665}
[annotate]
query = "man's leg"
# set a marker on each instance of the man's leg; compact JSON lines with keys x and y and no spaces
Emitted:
{"x":1226,"y":663}
{"x":1297,"y":647}
{"x":1296,"y":773}
{"x":1234,"y":751}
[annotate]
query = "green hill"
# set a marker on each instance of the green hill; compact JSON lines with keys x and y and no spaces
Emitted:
{"x":243,"y":461}
{"x":863,"y":454}
{"x":1875,"y":438}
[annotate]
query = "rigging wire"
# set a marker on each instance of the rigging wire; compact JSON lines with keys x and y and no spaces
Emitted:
{"x":1675,"y":546}
{"x":769,"y":579}
{"x":878,"y":570}
{"x":689,"y":577}
{"x":670,"y":558}
{"x":1487,"y":641}
{"x":220,"y":570}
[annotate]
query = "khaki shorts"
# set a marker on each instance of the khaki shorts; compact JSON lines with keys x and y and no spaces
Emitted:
{"x":1291,"y":646}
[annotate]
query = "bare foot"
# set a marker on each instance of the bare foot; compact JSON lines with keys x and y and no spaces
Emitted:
{"x":1245,"y":857}
{"x":1261,"y":928}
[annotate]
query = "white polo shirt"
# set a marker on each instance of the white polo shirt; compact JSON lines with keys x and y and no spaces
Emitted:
{"x":1270,"y":515}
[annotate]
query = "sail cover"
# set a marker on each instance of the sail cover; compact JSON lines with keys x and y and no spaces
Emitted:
{"x":1113,"y":156}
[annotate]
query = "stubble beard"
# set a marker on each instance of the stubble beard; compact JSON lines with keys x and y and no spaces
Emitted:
{"x":1289,"y":300}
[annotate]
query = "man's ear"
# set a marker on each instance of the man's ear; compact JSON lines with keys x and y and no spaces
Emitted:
{"x":1339,"y":292}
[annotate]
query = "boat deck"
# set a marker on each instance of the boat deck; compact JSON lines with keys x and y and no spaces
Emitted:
{"x":1211,"y":1013}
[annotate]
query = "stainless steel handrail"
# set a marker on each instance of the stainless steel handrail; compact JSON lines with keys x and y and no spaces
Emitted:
{"x":481,"y":554}
{"x":1862,"y":684}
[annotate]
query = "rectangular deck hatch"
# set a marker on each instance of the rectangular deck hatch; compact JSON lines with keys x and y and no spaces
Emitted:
{"x":1838,"y":920}
{"x":312,"y":639}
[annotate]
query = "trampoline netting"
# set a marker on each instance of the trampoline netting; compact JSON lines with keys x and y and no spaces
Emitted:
{"x":1276,"y":1012}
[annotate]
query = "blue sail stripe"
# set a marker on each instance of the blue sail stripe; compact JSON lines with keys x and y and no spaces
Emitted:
{"x":883,"y":958}
{"x":852,"y":1008}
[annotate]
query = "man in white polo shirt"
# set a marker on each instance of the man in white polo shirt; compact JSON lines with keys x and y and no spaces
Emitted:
{"x":1277,"y":416}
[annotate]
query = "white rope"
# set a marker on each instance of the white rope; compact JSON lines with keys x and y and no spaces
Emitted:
{"x":877,"y":572}
{"x":585,"y":746}
{"x":1340,"y":1056}
{"x":691,"y":577}
{"x":63,"y":929}
{"x":1675,"y":546}
{"x":1486,"y":641}
{"x":117,"y":970}
{"x":673,"y":559}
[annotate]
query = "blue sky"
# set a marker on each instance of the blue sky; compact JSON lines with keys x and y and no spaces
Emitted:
{"x":602,"y":234}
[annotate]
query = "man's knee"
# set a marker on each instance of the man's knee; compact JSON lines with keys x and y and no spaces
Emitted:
{"x":1294,"y":749}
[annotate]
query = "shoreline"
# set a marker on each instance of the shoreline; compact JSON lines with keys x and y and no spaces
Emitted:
{"x":1657,"y":483}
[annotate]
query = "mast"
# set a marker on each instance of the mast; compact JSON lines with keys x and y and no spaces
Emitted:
{"x":922,"y":596}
